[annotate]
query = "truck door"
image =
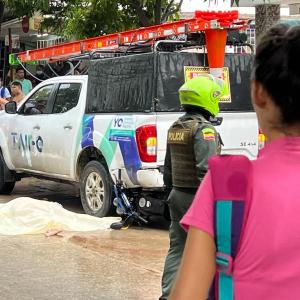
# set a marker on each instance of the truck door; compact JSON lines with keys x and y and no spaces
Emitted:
{"x":25,"y":141}
{"x":60,"y":129}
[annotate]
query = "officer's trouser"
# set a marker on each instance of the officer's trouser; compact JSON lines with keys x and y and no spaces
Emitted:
{"x":178,"y":202}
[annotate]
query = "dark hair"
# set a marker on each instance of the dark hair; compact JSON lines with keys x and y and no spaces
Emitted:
{"x":277,"y":68}
{"x":17,"y":83}
{"x":19,"y":68}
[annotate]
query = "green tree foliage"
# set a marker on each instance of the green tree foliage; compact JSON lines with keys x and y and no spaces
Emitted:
{"x":82,"y":18}
{"x":26,"y":7}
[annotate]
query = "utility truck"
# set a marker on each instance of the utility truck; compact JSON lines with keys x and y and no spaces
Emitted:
{"x":110,"y":127}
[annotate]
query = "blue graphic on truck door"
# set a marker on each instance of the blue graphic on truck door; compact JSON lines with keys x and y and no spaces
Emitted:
{"x":123,"y":131}
{"x":87,"y":131}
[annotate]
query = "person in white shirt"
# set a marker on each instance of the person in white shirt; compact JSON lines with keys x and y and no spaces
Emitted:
{"x":18,"y":95}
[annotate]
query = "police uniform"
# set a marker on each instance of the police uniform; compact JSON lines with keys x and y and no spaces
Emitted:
{"x":191,"y":141}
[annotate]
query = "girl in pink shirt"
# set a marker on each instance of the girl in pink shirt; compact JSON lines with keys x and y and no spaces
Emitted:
{"x":267,"y":265}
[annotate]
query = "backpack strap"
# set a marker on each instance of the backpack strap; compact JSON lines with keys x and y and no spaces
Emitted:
{"x":230,"y":181}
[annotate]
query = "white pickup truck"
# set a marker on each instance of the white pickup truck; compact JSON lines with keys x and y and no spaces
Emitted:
{"x":111,"y":125}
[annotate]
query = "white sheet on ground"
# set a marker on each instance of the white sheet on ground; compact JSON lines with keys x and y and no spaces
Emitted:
{"x":31,"y":216}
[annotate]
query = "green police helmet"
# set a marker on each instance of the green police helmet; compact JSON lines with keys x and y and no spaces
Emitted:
{"x":203,"y":91}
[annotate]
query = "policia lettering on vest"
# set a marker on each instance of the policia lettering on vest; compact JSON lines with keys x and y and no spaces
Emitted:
{"x":191,"y":141}
{"x":179,"y":136}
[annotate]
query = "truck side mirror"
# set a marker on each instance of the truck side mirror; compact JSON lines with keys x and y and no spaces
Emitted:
{"x":11,"y":107}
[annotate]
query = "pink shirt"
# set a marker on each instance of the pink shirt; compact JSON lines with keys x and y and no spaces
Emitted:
{"x":268,"y":263}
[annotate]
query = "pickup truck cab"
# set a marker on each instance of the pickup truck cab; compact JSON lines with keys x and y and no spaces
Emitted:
{"x":111,"y":127}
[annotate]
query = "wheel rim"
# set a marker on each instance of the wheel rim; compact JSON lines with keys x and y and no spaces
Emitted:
{"x":94,"y":191}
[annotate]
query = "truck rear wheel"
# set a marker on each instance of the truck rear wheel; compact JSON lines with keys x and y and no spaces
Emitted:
{"x":96,"y":190}
{"x":5,"y":187}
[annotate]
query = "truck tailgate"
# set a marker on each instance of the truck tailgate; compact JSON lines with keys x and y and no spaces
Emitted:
{"x":239,"y":132}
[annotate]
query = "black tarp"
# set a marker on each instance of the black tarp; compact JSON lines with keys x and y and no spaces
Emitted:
{"x":170,"y":76}
{"x":122,"y":84}
{"x":150,"y":82}
{"x":239,"y":66}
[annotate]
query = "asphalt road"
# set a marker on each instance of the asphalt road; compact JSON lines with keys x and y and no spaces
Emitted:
{"x":125,"y":264}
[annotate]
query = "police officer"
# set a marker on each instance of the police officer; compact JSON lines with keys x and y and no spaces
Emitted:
{"x":191,"y":141}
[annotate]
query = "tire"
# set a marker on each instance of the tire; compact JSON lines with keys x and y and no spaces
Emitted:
{"x":5,"y":187}
{"x":96,"y":190}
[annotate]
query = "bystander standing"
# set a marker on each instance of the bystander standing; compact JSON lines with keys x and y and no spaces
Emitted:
{"x":17,"y":94}
{"x":20,"y":77}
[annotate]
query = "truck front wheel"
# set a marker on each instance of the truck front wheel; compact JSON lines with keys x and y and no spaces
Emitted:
{"x":6,"y":187}
{"x":96,"y":190}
